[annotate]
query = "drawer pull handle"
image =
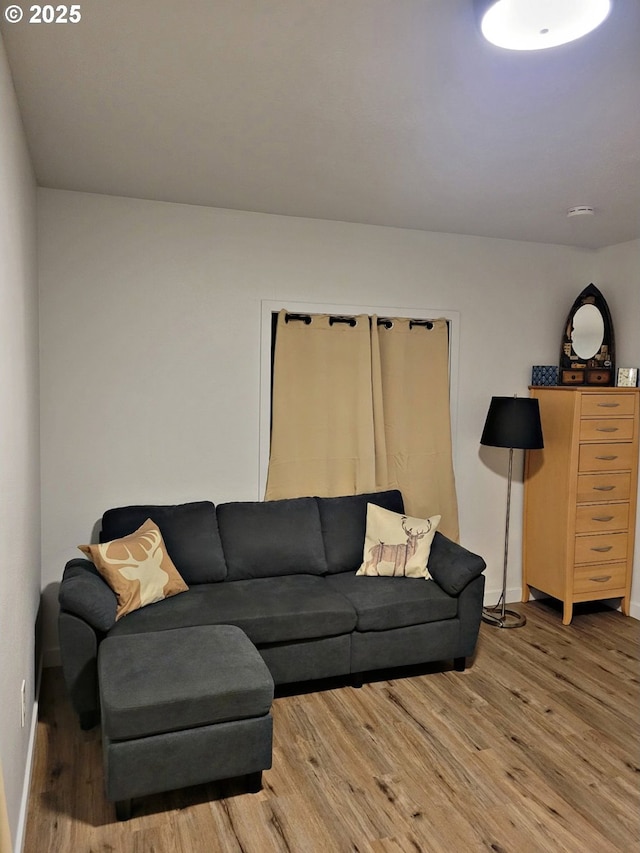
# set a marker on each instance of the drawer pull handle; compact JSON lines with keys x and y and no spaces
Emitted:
{"x":603,"y":488}
{"x":602,"y":549}
{"x":606,"y":458}
{"x":608,"y":405}
{"x":606,"y":429}
{"x":601,"y":518}
{"x":601,"y":579}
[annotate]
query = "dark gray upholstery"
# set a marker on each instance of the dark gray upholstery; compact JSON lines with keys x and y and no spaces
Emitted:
{"x":79,"y":654}
{"x":307,"y":660}
{"x":86,"y":594}
{"x":290,"y":586}
{"x":452,"y":566}
{"x":470,"y":602}
{"x":344,"y":522}
{"x":135,"y":768}
{"x":180,"y":708}
{"x":170,"y":680}
{"x":190,"y":532}
{"x":405,"y":646}
{"x":271,"y":538}
{"x":269,"y":610}
{"x":385,"y":603}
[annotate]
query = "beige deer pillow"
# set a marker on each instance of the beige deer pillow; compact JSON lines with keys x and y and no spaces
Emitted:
{"x":137,"y":568}
{"x":397,"y":545}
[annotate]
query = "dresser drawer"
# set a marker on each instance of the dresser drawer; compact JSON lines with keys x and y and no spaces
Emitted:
{"x":605,"y":457}
{"x":599,"y":578}
{"x":607,"y":405}
{"x":603,"y":487}
{"x":600,"y":518}
{"x":606,"y":429}
{"x":602,"y":547}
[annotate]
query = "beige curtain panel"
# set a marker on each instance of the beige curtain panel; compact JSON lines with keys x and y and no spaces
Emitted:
{"x":413,"y":423}
{"x":360,"y":407}
{"x":322,"y":439}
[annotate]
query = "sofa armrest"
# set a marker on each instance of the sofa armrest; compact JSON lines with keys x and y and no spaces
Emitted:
{"x":451,"y":566}
{"x":470,"y":603}
{"x":79,"y":657}
{"x":84,"y":593}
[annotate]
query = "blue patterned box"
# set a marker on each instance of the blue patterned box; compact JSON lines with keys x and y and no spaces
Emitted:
{"x":544,"y":374}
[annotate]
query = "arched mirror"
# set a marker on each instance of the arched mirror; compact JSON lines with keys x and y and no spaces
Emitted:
{"x":587,"y":354}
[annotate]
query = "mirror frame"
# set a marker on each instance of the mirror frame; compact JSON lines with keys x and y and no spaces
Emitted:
{"x":600,"y":369}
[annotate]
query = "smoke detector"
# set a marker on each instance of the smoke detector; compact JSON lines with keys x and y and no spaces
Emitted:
{"x":580,"y":210}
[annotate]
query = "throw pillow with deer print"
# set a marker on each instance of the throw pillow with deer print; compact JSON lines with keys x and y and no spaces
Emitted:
{"x":397,"y":545}
{"x":137,"y":568}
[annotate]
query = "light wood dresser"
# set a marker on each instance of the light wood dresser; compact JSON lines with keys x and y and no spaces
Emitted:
{"x":580,"y":496}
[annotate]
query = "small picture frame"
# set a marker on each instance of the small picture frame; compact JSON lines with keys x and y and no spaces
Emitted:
{"x":627,"y":377}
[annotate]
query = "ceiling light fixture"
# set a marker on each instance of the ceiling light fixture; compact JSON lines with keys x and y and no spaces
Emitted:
{"x":538,"y":24}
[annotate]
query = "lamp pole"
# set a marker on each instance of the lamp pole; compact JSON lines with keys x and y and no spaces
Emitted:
{"x":512,"y":422}
{"x":499,"y":615}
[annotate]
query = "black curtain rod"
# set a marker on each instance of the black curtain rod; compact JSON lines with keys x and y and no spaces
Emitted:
{"x":350,"y":321}
{"x":382,"y":321}
{"x":304,"y":318}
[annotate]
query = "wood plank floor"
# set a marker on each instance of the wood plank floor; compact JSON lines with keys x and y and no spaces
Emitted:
{"x":535,"y":747}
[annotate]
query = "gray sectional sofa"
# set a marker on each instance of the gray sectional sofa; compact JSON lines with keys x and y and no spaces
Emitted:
{"x":285,"y":573}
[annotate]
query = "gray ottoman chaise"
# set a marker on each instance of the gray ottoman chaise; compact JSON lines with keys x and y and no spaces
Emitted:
{"x":182,"y":707}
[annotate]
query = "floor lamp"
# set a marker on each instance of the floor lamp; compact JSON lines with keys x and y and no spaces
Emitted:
{"x":512,"y":422}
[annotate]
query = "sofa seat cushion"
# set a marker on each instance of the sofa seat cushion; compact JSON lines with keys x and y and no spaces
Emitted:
{"x":269,"y":610}
{"x":272,"y":538}
{"x":174,"y":680}
{"x":383,"y":603}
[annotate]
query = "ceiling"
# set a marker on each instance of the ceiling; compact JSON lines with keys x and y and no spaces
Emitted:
{"x":389,"y":112}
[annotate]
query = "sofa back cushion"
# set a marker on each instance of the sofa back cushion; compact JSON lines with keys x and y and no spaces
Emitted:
{"x":344,"y":523}
{"x":265,"y":539}
{"x":190,"y":533}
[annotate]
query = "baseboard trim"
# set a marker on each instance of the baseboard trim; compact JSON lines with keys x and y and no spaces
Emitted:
{"x":28,"y":771}
{"x":491,"y":597}
{"x":634,"y":610}
{"x":514,"y":596}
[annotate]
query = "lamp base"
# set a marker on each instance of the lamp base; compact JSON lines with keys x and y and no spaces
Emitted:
{"x":502,"y":619}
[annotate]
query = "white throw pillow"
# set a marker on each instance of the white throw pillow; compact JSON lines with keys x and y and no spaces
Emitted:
{"x":397,"y":545}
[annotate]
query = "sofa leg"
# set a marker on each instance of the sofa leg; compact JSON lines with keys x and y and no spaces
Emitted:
{"x":459,"y":664}
{"x":123,"y":809}
{"x":356,"y":679}
{"x":88,"y":720}
{"x":254,"y":782}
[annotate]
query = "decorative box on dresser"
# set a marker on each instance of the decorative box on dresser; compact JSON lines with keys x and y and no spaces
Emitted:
{"x":580,"y":496}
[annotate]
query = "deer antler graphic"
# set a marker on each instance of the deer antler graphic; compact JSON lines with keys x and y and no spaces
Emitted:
{"x":147,"y":571}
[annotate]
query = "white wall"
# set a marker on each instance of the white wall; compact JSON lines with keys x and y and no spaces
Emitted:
{"x":618,"y":272}
{"x":150,"y":324}
{"x":19,"y":452}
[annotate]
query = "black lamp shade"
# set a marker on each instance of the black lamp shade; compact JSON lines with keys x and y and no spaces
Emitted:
{"x":513,"y":422}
